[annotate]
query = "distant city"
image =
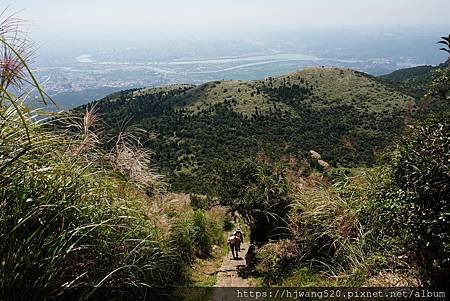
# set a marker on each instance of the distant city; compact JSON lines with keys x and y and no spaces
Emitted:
{"x":85,"y":76}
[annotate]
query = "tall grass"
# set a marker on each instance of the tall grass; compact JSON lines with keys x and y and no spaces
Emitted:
{"x":194,"y":232}
{"x":332,"y":234}
{"x":325,"y":223}
{"x":66,"y":221}
{"x":65,"y":224}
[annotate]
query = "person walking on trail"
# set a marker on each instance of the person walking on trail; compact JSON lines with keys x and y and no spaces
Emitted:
{"x":250,"y":257}
{"x":239,"y":234}
{"x":234,"y":242}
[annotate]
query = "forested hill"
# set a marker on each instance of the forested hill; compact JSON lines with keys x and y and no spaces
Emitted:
{"x":413,"y":81}
{"x":346,"y":116}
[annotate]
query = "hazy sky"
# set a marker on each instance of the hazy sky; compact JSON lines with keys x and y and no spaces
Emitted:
{"x":59,"y":19}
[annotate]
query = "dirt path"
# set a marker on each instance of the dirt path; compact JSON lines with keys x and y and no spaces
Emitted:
{"x":228,"y":275}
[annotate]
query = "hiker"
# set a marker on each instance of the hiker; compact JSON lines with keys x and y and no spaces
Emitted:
{"x":234,"y":242}
{"x":239,"y":234}
{"x":250,"y":257}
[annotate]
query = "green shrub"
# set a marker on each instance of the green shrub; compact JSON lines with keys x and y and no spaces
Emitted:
{"x":202,"y":236}
{"x":276,"y":260}
{"x":412,"y":197}
{"x":182,"y":236}
{"x":68,"y":221}
{"x":199,"y":202}
{"x":194,"y":232}
{"x":325,"y":224}
{"x":304,"y":277}
{"x":228,"y":224}
{"x":215,"y":221}
{"x":325,"y":233}
{"x":259,"y":193}
{"x":64,"y":225}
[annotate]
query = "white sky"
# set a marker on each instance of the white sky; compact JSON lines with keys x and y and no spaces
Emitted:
{"x":52,"y":19}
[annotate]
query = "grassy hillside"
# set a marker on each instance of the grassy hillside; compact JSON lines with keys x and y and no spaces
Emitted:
{"x":346,"y":116}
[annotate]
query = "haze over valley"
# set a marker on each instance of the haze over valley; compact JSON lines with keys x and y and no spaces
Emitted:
{"x":85,"y":73}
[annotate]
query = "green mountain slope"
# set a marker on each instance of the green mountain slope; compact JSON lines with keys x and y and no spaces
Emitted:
{"x":346,"y":116}
{"x":412,"y":81}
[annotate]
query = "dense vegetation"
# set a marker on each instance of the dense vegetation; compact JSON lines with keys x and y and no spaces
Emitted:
{"x":416,"y":82}
{"x":83,"y":209}
{"x":72,"y":220}
{"x":80,"y":219}
{"x":411,"y":198}
{"x":344,"y":115}
{"x":244,"y":186}
{"x":313,"y":224}
{"x":385,"y":226}
{"x":413,"y":81}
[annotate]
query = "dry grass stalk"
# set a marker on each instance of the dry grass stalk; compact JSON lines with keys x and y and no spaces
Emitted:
{"x":132,"y":160}
{"x":16,"y":49}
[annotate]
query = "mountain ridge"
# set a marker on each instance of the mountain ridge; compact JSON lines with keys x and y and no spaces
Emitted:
{"x":413,"y":81}
{"x":346,"y":115}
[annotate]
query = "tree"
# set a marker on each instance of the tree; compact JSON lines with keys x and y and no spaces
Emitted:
{"x":259,"y":193}
{"x":446,"y":42}
{"x":440,"y":86}
{"x":413,"y":199}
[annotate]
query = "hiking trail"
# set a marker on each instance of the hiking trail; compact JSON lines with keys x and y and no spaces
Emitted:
{"x":228,"y":274}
